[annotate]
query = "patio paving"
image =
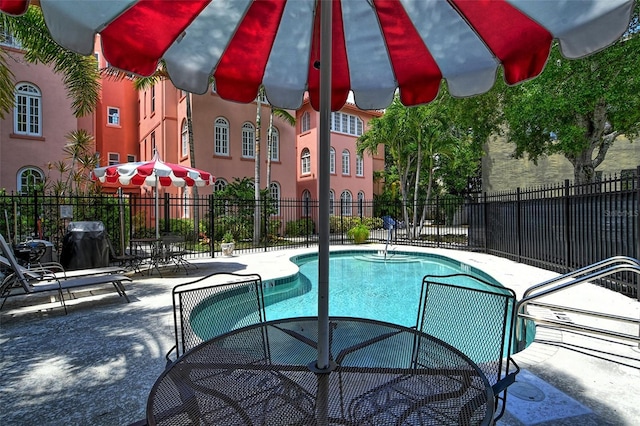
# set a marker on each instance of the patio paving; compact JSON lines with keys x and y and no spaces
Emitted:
{"x":96,"y":365}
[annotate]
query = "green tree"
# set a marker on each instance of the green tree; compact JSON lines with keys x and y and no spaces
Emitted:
{"x":424,"y":144}
{"x":74,"y":178}
{"x":80,"y":74}
{"x":578,"y":108}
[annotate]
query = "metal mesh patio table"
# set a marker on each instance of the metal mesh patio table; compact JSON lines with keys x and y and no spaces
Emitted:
{"x":380,"y":374}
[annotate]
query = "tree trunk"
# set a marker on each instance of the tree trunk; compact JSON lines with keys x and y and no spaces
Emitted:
{"x":416,"y":188}
{"x":192,"y":160}
{"x":269,"y":153}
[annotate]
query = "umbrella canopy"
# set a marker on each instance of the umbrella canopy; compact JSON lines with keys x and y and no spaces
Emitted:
{"x":377,"y":45}
{"x":153,"y":173}
{"x":330,"y":47}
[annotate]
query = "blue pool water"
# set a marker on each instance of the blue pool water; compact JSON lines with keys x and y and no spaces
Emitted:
{"x":361,"y":284}
{"x":364,"y":285}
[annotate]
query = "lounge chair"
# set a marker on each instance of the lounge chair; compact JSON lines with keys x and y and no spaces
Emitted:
{"x":32,"y":281}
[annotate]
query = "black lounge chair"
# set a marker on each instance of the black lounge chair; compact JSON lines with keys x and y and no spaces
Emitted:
{"x":39,"y":280}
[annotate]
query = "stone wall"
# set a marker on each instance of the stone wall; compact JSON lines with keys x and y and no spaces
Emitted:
{"x":501,"y":172}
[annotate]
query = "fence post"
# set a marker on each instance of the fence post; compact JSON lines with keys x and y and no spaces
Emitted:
{"x":637,"y":213}
{"x":212,"y":231}
{"x":485,"y":220}
{"x":567,"y":226}
{"x":265,"y":213}
{"x":519,"y":223}
{"x":437,"y":221}
{"x":307,"y":215}
{"x":167,"y":212}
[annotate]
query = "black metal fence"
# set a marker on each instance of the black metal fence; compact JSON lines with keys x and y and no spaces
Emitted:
{"x":558,"y":227}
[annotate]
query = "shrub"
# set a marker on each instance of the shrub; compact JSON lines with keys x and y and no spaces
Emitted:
{"x":300,"y":227}
{"x":359,"y":234}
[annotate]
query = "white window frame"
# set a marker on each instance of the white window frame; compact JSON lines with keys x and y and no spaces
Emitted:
{"x":346,"y":200}
{"x":113,"y":116}
{"x":332,"y":161}
{"x":219,"y":185}
{"x":113,"y":158}
{"x":248,"y":140}
{"x":184,"y":135}
{"x":221,"y":137}
{"x":359,"y":165}
{"x":274,"y":191}
{"x":8,"y":40}
{"x":131,"y":158}
{"x":27,"y":174}
{"x":153,"y":99}
{"x":346,"y":159}
{"x":306,"y":203}
{"x":360,"y":202}
{"x":27,"y":117}
{"x":346,"y":123}
{"x":186,"y":211}
{"x":275,"y":144}
{"x":305,"y":162}
{"x":305,"y":125}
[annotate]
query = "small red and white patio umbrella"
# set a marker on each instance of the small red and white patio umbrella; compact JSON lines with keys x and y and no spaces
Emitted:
{"x":153,"y":173}
{"x":328,"y":48}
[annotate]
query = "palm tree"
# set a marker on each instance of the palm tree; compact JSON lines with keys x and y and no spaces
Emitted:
{"x":80,"y":73}
{"x":287,"y":118}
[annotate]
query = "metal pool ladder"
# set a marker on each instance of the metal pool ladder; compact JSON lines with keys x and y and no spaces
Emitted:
{"x":599,"y":270}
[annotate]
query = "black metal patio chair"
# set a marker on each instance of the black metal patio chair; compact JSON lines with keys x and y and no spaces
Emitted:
{"x":478,"y":321}
{"x":221,"y":301}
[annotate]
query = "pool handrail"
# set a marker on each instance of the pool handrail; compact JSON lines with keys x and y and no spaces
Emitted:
{"x":583,"y":275}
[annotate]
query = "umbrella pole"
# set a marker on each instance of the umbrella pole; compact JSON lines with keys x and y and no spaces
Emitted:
{"x":324,"y":185}
{"x":156,"y":209}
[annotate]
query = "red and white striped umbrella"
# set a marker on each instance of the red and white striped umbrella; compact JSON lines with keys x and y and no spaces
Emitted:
{"x":331,"y":47}
{"x":377,"y":45}
{"x":152,"y":173}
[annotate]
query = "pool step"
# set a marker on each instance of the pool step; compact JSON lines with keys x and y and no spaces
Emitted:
{"x":390,"y":258}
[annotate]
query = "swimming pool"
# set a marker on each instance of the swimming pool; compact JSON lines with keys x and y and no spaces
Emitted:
{"x":364,"y":284}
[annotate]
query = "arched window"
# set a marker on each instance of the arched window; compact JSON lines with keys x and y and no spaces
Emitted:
{"x":345,"y":201}
{"x":275,"y":144}
{"x":29,"y":179}
{"x":185,"y":138}
{"x":345,"y":162}
{"x":332,"y":161}
{"x":27,"y":117}
{"x":360,"y":203}
{"x":359,"y":165}
{"x":306,"y":203}
{"x":305,"y":162}
{"x":305,"y":126}
{"x":248,"y":140}
{"x":219,"y":185}
{"x":221,"y":137}
{"x":274,"y":192}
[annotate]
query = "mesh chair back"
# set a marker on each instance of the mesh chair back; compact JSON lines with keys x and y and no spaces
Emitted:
{"x":214,"y":305}
{"x":477,"y":321}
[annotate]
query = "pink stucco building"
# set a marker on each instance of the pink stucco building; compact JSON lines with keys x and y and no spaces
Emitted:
{"x":130,"y":125}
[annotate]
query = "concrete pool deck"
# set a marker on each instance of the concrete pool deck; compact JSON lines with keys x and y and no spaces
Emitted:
{"x":96,"y":365}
